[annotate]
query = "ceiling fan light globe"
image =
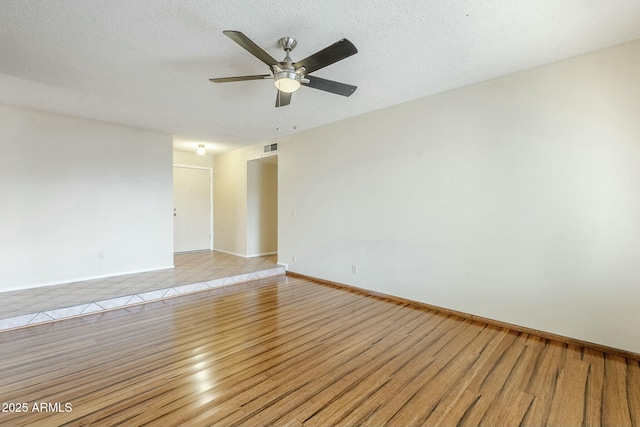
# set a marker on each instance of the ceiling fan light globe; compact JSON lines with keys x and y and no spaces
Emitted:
{"x":287,"y":81}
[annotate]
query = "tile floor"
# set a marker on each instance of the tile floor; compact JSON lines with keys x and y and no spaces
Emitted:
{"x":192,"y":272}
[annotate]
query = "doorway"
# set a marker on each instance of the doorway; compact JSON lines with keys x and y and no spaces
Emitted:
{"x":192,"y":213}
{"x":262,"y":206}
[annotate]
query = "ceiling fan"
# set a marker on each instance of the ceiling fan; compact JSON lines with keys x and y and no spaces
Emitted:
{"x":289,"y":75}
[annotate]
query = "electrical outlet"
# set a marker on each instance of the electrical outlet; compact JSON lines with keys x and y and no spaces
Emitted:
{"x":354,"y":269}
{"x":293,"y":258}
{"x":100,"y":255}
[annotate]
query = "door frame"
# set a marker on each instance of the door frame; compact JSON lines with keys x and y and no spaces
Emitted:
{"x":210,"y":169}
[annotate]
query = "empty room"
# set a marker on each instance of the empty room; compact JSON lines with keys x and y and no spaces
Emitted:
{"x":384,"y":213}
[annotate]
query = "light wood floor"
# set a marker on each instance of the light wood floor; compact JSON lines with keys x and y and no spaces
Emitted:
{"x":297,"y":353}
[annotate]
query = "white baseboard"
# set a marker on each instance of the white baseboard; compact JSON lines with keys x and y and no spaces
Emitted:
{"x":80,"y":279}
{"x":262,"y":254}
{"x":245,"y":256}
{"x":229,"y":253}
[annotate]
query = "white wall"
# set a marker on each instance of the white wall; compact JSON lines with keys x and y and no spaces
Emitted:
{"x":262,"y":206}
{"x":71,"y":188}
{"x":516,"y":199}
{"x":192,"y":159}
{"x":230,"y":199}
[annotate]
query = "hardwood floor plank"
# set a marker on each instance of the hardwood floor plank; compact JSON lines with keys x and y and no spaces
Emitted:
{"x":294,"y":352}
{"x":568,"y":406}
{"x":451,"y":367}
{"x":510,"y":405}
{"x":360,"y":350}
{"x":513,"y":407}
{"x":492,"y":381}
{"x":615,"y":404}
{"x":447,"y":403}
{"x":172,"y":347}
{"x":326,"y":395}
{"x":367,"y":379}
{"x":633,"y":391}
{"x":262,"y":368}
{"x":456,"y":409}
{"x":543,"y":383}
{"x":400,"y":379}
{"x":304,"y":360}
{"x":594,"y":389}
{"x":489,"y":374}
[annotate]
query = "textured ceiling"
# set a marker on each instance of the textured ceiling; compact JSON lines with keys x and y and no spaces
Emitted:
{"x":146,"y":63}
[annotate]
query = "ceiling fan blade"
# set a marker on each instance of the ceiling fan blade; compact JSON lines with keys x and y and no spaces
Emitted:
{"x":283,"y":98}
{"x":330,"y":86}
{"x":336,"y":52}
{"x":251,"y":47}
{"x":240,"y":78}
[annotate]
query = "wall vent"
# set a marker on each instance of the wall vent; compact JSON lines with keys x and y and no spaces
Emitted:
{"x":270,"y":148}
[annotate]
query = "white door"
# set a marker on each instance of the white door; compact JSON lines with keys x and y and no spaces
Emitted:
{"x":192,"y":209}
